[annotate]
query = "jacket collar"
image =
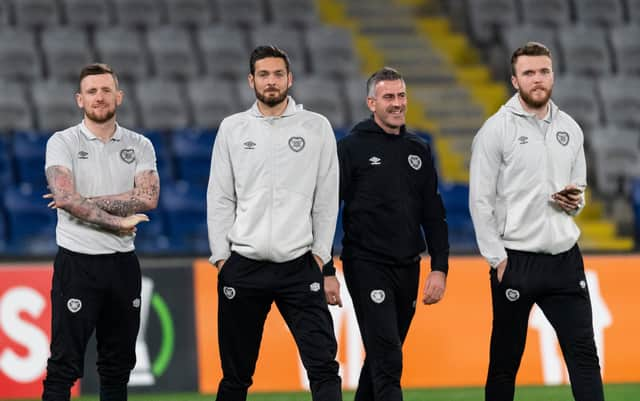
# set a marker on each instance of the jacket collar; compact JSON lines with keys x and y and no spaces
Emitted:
{"x":515,"y":107}
{"x":290,"y":110}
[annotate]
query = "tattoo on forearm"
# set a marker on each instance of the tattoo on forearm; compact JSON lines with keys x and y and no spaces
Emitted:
{"x":143,"y":197}
{"x":62,"y":187}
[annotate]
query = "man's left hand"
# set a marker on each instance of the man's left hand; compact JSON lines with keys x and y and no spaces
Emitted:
{"x":434,"y":287}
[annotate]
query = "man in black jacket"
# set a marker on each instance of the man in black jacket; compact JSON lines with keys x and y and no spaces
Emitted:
{"x":389,"y":187}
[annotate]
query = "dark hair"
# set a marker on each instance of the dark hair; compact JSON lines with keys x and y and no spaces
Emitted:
{"x":529,"y":49}
{"x":97,"y":69}
{"x":384,"y":74}
{"x":261,"y":52}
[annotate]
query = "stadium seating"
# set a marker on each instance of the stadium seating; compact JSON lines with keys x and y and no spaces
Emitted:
{"x":211,"y":100}
{"x":122,"y":48}
{"x":65,"y":49}
{"x":87,"y":13}
{"x":617,"y":159}
{"x":223,"y":51}
{"x":487,"y":16}
{"x":184,"y":208}
{"x":182,"y":66}
{"x":190,"y":13}
{"x":29,"y":151}
{"x":621,"y":100}
{"x":36,"y":13}
{"x":172,"y":54}
{"x":626,"y":48}
{"x":299,"y":13}
{"x":585,"y":50}
{"x":633,"y":9}
{"x":319,"y":95}
{"x":30,"y":223}
{"x":599,"y":12}
{"x":138,"y":13}
{"x":56,"y":106}
{"x":162,"y":104}
{"x":192,"y":153}
{"x":6,"y":166}
{"x":19,"y":56}
{"x":15,"y":113}
{"x":356,"y":98}
{"x":551,"y":13}
{"x":244,"y":13}
{"x":578,"y":97}
{"x":335,"y":44}
{"x":456,"y":201}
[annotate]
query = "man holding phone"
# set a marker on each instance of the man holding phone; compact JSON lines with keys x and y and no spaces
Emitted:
{"x":527,"y":181}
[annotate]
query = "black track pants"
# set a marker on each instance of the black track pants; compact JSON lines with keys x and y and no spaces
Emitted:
{"x":557,"y":284}
{"x":384,"y":298}
{"x":246,"y":289}
{"x":93,"y":292}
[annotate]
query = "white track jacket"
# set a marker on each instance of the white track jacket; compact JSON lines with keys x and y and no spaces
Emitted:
{"x":515,"y":168}
{"x":273,"y":186}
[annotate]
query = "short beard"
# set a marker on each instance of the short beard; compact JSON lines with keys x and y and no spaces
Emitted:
{"x":535,"y":104}
{"x":271,"y":101}
{"x":100,"y":120}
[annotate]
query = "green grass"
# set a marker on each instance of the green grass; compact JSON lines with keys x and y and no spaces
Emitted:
{"x":613,"y":392}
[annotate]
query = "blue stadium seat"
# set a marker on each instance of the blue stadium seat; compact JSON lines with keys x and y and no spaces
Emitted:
{"x":456,"y":202}
{"x":184,"y":208}
{"x":163,"y":155}
{"x":192,"y":153}
{"x":151,"y":236}
{"x":31,"y":225}
{"x":6,"y":167}
{"x":29,"y":152}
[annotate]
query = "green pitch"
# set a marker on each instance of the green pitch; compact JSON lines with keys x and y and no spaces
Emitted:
{"x":613,"y":392}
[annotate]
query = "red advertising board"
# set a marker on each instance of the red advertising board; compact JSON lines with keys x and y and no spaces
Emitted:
{"x":25,"y":330}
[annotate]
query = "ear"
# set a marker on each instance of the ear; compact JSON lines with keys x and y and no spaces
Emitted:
{"x":79,"y":101}
{"x":290,"y":79}
{"x":251,"y":80}
{"x":371,"y":104}
{"x":119,"y":97}
{"x":514,"y":82}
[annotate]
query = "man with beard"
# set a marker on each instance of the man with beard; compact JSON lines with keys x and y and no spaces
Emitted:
{"x":272,"y":204}
{"x":527,"y":181}
{"x":101,"y":176}
{"x":389,"y":187}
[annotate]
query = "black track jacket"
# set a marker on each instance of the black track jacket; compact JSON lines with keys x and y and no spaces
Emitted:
{"x":389,"y":187}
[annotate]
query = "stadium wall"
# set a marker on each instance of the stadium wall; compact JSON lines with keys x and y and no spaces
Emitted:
{"x":447,"y":344}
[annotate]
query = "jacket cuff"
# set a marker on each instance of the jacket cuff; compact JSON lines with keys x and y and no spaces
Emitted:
{"x":329,"y":269}
{"x":440,"y":263}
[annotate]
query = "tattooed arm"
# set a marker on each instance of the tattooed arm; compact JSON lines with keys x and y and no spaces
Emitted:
{"x":144,"y":196}
{"x":65,"y":197}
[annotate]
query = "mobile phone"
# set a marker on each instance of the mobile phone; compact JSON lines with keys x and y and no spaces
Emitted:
{"x":570,"y":191}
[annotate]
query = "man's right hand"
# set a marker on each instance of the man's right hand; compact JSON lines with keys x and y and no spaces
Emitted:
{"x":500,"y":269}
{"x":219,"y":263}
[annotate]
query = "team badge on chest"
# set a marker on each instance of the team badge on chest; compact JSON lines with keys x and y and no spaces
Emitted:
{"x":415,"y":162}
{"x":296,"y":143}
{"x":128,"y":155}
{"x":562,"y":137}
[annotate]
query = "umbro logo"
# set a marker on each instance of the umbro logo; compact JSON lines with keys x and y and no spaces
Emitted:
{"x":523,"y":140}
{"x":83,"y":155}
{"x":249,"y":145}
{"x":375,"y":161}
